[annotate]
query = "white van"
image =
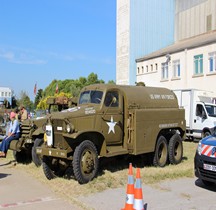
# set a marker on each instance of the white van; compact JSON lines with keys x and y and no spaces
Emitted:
{"x":200,"y":112}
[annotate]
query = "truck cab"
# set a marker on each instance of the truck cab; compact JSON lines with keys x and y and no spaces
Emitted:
{"x":200,"y":112}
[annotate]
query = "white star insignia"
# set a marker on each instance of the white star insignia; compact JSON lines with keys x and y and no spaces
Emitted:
{"x":111,"y":125}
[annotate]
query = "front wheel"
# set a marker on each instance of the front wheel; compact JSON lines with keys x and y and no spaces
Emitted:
{"x":85,"y":162}
{"x":175,"y":149}
{"x":48,"y":172}
{"x":52,"y":168}
{"x":206,"y":133}
{"x":161,"y":152}
{"x":35,"y":157}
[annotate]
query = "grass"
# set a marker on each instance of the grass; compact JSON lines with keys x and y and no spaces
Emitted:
{"x":113,"y":174}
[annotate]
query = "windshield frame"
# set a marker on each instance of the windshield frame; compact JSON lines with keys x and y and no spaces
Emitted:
{"x":91,"y":96}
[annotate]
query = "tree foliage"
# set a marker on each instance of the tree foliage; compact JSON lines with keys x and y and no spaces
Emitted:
{"x":67,"y":87}
{"x":25,"y":101}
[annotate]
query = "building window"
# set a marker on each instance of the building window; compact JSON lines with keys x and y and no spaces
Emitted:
{"x":142,"y":70}
{"x":2,"y":94}
{"x":198,"y":64}
{"x":5,"y":94}
{"x":176,"y":69}
{"x":209,"y":23}
{"x":156,"y":67}
{"x":164,"y":71}
{"x":212,"y":62}
{"x":151,"y":67}
{"x":138,"y":70}
{"x":146,"y":68}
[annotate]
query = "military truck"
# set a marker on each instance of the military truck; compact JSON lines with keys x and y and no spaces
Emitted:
{"x":112,"y":120}
{"x":24,"y":149}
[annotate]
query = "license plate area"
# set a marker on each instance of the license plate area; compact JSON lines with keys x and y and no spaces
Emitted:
{"x":209,"y":167}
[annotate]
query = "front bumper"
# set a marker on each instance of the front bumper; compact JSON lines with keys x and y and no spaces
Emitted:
{"x":52,"y":152}
{"x":200,"y":172}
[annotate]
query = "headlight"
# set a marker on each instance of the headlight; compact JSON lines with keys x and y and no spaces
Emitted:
{"x":69,"y":128}
{"x":199,"y":148}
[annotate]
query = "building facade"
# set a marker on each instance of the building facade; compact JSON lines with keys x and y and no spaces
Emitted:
{"x":5,"y":93}
{"x":191,"y":61}
{"x":143,"y":26}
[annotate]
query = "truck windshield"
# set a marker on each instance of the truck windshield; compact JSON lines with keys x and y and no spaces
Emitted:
{"x":91,"y":96}
{"x":211,"y":109}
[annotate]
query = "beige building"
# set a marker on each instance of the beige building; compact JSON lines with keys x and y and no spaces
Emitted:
{"x":191,"y":61}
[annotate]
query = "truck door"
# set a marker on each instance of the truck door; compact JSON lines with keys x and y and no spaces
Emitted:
{"x":200,"y":119}
{"x":112,"y":124}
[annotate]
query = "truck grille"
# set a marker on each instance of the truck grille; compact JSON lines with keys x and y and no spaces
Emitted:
{"x":25,"y":130}
{"x":207,"y":173}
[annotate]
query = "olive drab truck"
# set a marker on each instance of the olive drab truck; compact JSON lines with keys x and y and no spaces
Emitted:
{"x":112,"y":120}
{"x":24,"y":149}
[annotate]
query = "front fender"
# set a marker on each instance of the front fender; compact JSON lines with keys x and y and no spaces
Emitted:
{"x":38,"y":132}
{"x":101,"y":145}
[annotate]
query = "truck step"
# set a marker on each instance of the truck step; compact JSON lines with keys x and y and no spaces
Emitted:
{"x":116,"y":150}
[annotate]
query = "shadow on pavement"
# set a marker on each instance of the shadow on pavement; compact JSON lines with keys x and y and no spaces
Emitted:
{"x":4,"y":175}
{"x":8,"y":163}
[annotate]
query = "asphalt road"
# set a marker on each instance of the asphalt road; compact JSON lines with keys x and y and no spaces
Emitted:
{"x":20,"y":191}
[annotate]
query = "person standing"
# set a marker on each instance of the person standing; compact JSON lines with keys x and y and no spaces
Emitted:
{"x":24,"y":113}
{"x":13,"y":134}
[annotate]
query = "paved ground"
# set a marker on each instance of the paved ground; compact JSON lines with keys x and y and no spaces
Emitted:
{"x":182,"y":194}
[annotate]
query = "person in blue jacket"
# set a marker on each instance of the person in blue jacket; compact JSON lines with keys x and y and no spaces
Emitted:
{"x":13,"y":134}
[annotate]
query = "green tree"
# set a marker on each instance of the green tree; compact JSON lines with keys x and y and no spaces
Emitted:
{"x":38,"y":97}
{"x":25,"y":101}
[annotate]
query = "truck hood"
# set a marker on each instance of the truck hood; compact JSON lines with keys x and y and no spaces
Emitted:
{"x":209,"y":140}
{"x":79,"y":111}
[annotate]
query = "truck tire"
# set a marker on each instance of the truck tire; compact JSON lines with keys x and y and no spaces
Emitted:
{"x":161,"y":152}
{"x":206,"y":133}
{"x":85,"y":162}
{"x":48,"y":172}
{"x":175,"y":149}
{"x":22,"y":156}
{"x":36,"y":158}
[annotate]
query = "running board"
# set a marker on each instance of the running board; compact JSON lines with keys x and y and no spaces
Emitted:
{"x":115,"y":150}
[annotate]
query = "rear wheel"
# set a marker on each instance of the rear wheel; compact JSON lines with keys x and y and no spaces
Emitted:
{"x":23,"y":156}
{"x":35,"y":157}
{"x":161,"y":152}
{"x":175,"y":149}
{"x":85,"y":162}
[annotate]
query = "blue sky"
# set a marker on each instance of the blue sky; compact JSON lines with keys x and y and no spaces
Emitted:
{"x":43,"y":40}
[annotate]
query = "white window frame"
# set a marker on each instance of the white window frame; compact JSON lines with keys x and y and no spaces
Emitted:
{"x":176,"y":69}
{"x":212,"y":58}
{"x":198,"y":64}
{"x":164,"y":71}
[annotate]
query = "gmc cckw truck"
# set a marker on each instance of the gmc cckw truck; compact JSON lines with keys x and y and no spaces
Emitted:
{"x":112,"y":120}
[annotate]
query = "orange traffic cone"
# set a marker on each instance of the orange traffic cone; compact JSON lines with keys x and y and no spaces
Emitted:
{"x":138,"y":196}
{"x":130,"y":190}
